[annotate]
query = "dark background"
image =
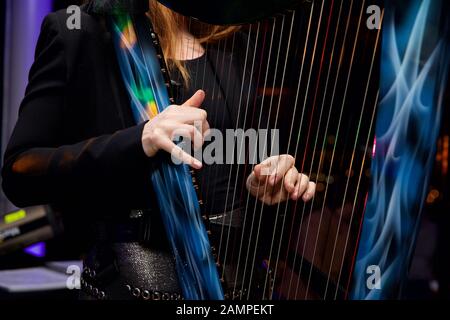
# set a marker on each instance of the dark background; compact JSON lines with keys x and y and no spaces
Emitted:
{"x":2,"y":42}
{"x":61,"y":4}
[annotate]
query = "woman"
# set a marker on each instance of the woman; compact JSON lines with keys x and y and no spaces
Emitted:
{"x":76,"y":146}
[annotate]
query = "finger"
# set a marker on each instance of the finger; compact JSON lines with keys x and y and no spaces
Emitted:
{"x":195,"y":117}
{"x":205,"y":128}
{"x":310,"y":192}
{"x":268,"y":166}
{"x":188,"y":115}
{"x":261,"y":172}
{"x":202,"y":126}
{"x":255,"y":187}
{"x":179,"y":154}
{"x":196,"y":100}
{"x":284,"y":163}
{"x":301,"y":186}
{"x":290,"y":179}
{"x":267,"y":200}
{"x":190,"y":132}
{"x":273,"y":196}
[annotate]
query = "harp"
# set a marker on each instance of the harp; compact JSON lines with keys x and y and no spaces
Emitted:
{"x":311,"y":69}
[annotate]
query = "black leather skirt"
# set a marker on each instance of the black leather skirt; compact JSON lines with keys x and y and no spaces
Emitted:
{"x":130,"y":260}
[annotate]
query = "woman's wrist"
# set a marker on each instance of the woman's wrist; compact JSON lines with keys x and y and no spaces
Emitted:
{"x":148,"y":144}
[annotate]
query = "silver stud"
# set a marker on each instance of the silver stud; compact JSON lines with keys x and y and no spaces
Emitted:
{"x":156,"y":296}
{"x":174,"y":296}
{"x":166,"y":296}
{"x":146,"y":295}
{"x":136,"y":292}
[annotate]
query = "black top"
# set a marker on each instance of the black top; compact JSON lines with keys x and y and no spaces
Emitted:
{"x":218,"y":181}
{"x":75,"y":144}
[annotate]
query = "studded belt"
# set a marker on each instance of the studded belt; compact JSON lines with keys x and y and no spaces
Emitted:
{"x":147,"y":295}
{"x":94,"y":290}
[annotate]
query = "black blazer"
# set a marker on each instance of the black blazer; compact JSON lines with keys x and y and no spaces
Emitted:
{"x":75,"y":144}
{"x":75,"y":140}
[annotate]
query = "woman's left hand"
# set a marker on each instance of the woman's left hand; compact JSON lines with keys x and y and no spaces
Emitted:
{"x":276,"y":180}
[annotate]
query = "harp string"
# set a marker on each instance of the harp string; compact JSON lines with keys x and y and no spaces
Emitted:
{"x":322,"y":107}
{"x":230,"y":64}
{"x":180,"y":46}
{"x":308,"y":84}
{"x":204,"y":65}
{"x":248,"y":198}
{"x":351,"y":165}
{"x":334,"y":146}
{"x":255,"y":102}
{"x":298,"y":88}
{"x":223,"y":261}
{"x":197,"y":65}
{"x":265,"y":187}
{"x":356,"y":197}
{"x":203,"y":76}
{"x":320,"y":121}
{"x":213,"y":96}
{"x":293,"y":82}
{"x":225,"y":96}
{"x":241,"y":98}
{"x":225,"y":90}
{"x":220,"y":56}
{"x":282,"y":182}
{"x":225,"y":213}
{"x":314,"y":149}
{"x":319,"y":166}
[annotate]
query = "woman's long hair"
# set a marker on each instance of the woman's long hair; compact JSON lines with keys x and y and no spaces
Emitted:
{"x":169,"y":25}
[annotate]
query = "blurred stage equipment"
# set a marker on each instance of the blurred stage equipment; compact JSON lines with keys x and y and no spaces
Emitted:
{"x":22,"y":228}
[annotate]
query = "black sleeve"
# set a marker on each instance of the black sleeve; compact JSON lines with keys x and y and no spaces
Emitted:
{"x":40,"y":168}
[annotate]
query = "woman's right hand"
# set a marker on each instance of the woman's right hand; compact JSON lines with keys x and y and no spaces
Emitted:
{"x":187,"y":120}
